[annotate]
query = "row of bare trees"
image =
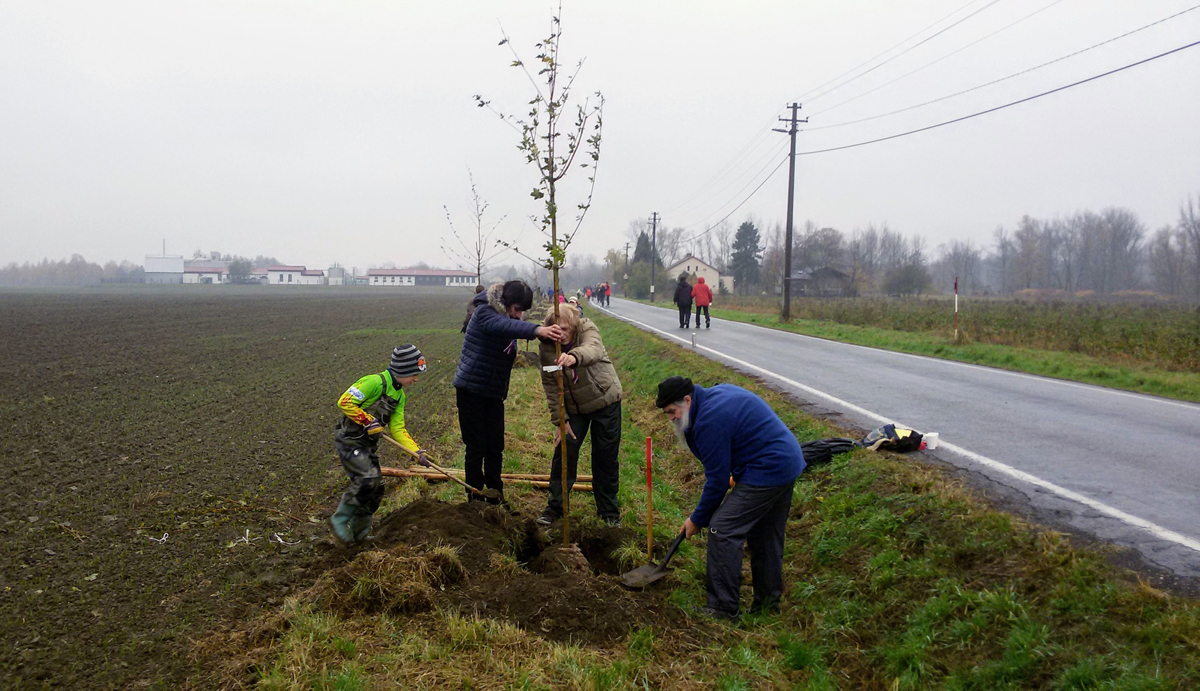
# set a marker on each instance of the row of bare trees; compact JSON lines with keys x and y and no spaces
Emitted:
{"x":1105,"y":252}
{"x":76,"y":271}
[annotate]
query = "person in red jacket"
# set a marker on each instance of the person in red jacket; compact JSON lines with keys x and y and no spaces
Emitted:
{"x":703,"y":296}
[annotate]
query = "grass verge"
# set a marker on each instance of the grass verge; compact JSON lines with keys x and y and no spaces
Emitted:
{"x":1079,"y":367}
{"x":895,"y":577}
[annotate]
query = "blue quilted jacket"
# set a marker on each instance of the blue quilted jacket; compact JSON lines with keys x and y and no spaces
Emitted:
{"x":490,"y":346}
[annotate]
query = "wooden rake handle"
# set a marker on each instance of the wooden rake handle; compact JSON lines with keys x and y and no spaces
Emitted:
{"x":433,"y":465}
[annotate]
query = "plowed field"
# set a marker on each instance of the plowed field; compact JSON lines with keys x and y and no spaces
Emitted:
{"x":168,"y":461}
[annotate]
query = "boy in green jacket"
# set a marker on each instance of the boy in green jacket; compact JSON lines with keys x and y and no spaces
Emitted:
{"x":357,"y":439}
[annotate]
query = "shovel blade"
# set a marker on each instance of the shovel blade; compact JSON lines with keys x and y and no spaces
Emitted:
{"x":643,"y":576}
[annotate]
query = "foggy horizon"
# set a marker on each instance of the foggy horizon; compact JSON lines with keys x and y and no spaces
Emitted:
{"x":319,"y":134}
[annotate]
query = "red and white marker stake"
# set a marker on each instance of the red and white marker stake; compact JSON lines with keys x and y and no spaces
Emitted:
{"x":956,"y":310}
{"x":649,"y":502}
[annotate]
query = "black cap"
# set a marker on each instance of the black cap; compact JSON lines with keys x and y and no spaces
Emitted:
{"x":673,"y":389}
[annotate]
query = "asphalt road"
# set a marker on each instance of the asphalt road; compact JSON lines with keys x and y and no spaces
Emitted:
{"x":1119,"y":466}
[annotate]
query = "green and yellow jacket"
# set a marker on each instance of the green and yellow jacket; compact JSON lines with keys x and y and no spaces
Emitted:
{"x":380,"y":391}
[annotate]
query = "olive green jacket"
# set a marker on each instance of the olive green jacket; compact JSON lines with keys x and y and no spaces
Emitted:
{"x":591,"y":384}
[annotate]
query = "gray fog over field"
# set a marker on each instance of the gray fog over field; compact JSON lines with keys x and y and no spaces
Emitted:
{"x":320,"y":132}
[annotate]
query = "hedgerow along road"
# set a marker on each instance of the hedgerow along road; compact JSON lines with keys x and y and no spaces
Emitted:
{"x":1115,"y":465}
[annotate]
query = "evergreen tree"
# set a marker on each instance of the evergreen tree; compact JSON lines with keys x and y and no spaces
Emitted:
{"x":746,"y":258}
{"x":642,"y":251}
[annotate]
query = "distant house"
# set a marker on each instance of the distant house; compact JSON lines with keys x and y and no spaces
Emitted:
{"x":824,"y":282}
{"x":449,"y":278}
{"x":697,"y":267}
{"x":284,"y":275}
{"x":206,"y":274}
{"x":312,"y":277}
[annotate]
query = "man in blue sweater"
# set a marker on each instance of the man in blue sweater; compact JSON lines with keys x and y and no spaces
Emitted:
{"x":743,"y":443}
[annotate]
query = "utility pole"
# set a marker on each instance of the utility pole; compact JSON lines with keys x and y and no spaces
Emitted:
{"x":653,"y":250}
{"x":787,"y":248}
{"x":627,"y":256}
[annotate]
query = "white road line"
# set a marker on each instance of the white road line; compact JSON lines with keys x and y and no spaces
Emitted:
{"x":1127,"y":518}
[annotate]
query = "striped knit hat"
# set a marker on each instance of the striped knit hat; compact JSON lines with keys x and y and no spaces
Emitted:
{"x":407,"y":361}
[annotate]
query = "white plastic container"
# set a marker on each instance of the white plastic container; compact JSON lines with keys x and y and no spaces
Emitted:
{"x":931,"y":440}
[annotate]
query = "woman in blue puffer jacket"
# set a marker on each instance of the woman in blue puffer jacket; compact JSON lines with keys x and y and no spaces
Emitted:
{"x":481,"y":380}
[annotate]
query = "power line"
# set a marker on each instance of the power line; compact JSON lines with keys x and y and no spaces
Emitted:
{"x":906,"y":50}
{"x":751,"y":145}
{"x":757,"y":138}
{"x":734,"y":210}
{"x":1002,"y":107}
{"x":1002,"y":79}
{"x":930,"y":64}
{"x":737,"y":194}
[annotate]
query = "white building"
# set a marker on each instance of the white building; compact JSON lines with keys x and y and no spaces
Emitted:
{"x":697,"y":267}
{"x":164,"y":269}
{"x":206,"y":274}
{"x":312,"y":277}
{"x":284,"y":275}
{"x":336,"y":276}
{"x":422,"y":277}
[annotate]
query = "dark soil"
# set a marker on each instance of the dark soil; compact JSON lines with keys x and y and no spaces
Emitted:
{"x":551,"y":597}
{"x":200,"y":412}
{"x":476,"y":529}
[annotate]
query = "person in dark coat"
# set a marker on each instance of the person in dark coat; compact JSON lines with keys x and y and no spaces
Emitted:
{"x":481,"y":380}
{"x":683,"y":299}
{"x":738,"y":438}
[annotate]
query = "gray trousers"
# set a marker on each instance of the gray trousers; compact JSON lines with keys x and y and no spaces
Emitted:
{"x":361,"y":463}
{"x":754,"y":517}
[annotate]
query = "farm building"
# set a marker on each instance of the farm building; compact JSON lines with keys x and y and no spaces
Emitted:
{"x":164,"y":269}
{"x":421,"y":277}
{"x":284,"y":275}
{"x":824,"y":282}
{"x":697,"y":267}
{"x":205,"y":274}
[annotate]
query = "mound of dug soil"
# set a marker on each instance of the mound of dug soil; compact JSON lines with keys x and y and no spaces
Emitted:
{"x":477,"y":530}
{"x":508,"y":572}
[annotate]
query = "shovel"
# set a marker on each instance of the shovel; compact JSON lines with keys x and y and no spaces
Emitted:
{"x":643,"y":576}
{"x":486,"y":494}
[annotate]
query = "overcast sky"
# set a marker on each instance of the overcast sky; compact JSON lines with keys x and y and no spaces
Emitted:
{"x":336,"y":131}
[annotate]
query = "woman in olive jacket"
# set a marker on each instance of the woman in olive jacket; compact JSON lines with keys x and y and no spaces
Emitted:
{"x":592,"y":394}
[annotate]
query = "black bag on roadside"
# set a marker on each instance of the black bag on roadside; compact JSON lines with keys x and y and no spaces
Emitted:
{"x":823,"y":450}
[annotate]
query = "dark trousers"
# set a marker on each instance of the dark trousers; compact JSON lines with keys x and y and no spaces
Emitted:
{"x":481,"y":421}
{"x":360,"y":460}
{"x":707,"y":319}
{"x":605,"y":426}
{"x":685,"y":316}
{"x":754,"y":517}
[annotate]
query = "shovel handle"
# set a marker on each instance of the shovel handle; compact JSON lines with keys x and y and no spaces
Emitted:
{"x":432,"y":465}
{"x":674,"y":546}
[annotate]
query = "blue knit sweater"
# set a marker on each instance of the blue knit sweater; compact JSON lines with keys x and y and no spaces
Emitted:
{"x":736,"y":434}
{"x":489,"y":347}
